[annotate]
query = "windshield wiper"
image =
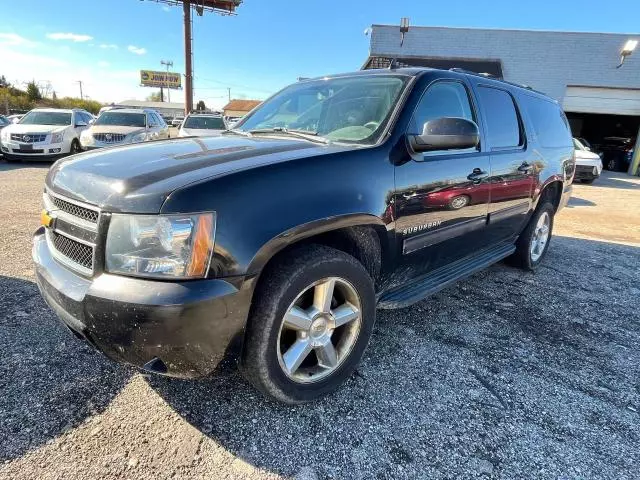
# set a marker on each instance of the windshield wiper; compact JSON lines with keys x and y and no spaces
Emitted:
{"x":311,"y":136}
{"x":237,"y":132}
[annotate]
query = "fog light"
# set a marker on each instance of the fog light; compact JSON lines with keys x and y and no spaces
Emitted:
{"x":54,"y":150}
{"x":5,"y":149}
{"x":595,"y":170}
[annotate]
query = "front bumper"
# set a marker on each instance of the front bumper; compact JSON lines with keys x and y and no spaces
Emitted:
{"x":37,"y":151}
{"x":181,"y":329}
{"x":588,"y":171}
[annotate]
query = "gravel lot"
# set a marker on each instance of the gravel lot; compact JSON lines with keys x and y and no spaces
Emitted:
{"x":505,"y":375}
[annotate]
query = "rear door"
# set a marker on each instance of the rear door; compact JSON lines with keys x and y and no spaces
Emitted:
{"x":442,"y":197}
{"x":513,"y":161}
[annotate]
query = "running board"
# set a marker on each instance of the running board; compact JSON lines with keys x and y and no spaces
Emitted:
{"x":442,"y":277}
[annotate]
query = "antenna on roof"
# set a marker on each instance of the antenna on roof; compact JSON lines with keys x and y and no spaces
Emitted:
{"x":404,"y":28}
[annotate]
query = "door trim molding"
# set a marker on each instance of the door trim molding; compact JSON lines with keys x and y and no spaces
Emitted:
{"x":519,"y":209}
{"x":430,"y":238}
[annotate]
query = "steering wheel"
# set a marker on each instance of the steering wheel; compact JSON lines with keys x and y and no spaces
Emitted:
{"x":372,"y":125}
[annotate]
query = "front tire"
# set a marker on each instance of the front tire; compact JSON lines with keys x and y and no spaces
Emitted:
{"x":533,"y":242}
{"x":75,"y":147}
{"x":309,"y":325}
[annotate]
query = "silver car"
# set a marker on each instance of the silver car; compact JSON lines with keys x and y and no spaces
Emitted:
{"x":123,"y":127}
{"x":202,"y":125}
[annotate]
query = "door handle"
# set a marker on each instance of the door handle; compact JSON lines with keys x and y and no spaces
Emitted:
{"x":525,"y":167}
{"x":477,"y":175}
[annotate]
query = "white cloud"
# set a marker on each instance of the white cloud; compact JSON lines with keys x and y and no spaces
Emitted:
{"x":15,"y":40}
{"x":137,"y":50}
{"x":74,"y":37}
{"x":103,"y":64}
{"x":110,"y":46}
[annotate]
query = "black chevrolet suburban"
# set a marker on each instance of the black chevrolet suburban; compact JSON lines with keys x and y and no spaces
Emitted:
{"x":275,"y":243}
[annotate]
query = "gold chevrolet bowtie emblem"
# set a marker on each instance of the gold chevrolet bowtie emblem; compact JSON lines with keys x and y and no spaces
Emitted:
{"x":46,"y":219}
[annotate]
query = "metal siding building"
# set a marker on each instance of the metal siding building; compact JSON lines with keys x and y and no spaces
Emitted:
{"x":577,"y":69}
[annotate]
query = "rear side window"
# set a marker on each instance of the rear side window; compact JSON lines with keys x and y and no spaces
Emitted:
{"x":442,"y":99}
{"x":549,"y":122}
{"x":503,"y":127}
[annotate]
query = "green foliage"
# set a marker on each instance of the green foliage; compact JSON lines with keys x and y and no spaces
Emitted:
{"x":201,"y":106}
{"x":154,"y":97}
{"x":33,"y":92}
{"x":3,"y":82}
{"x":14,"y":99}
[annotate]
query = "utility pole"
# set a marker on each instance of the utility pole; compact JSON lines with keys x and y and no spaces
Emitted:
{"x":168,"y":63}
{"x":80,"y":83}
{"x":228,"y":88}
{"x":188,"y":77}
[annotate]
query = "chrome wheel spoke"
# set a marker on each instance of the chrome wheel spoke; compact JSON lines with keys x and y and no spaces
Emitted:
{"x":327,"y":355}
{"x":323,"y":294}
{"x":297,"y":319}
{"x":344,"y":314}
{"x":296,"y":354}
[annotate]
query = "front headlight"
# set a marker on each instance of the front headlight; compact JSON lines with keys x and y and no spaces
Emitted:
{"x":160,"y":246}
{"x":140,"y":137}
{"x":57,"y":137}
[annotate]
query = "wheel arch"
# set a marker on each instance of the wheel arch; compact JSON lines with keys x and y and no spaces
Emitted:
{"x":551,"y":190}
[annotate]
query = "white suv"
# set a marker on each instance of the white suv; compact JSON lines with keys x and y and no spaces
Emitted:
{"x":44,"y":134}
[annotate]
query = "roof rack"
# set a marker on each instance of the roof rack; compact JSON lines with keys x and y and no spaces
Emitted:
{"x":493,"y":77}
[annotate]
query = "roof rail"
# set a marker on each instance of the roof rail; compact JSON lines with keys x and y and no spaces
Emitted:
{"x":493,"y":77}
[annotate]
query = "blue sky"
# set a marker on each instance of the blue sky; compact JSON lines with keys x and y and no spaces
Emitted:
{"x":265,"y":47}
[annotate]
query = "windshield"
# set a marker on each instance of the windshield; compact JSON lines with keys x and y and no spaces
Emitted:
{"x":578,"y":145}
{"x":122,"y":119}
{"x":46,"y":118}
{"x":352,"y":109}
{"x":204,"y":123}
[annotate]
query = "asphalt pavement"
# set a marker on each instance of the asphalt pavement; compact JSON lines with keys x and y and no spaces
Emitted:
{"x":507,"y":374}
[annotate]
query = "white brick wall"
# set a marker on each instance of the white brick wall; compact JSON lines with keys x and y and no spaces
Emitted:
{"x":546,"y":61}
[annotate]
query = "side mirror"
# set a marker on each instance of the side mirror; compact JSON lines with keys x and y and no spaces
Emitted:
{"x":446,"y":133}
{"x":81,"y":124}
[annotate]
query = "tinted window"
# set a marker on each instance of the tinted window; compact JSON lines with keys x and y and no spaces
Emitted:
{"x":152,"y":120}
{"x":549,"y":122}
{"x":503,"y":128}
{"x":113,"y":117}
{"x":204,"y":123}
{"x":443,"y":99}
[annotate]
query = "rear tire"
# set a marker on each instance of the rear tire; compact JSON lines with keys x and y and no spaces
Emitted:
{"x":295,"y":352}
{"x":533,"y":242}
{"x":614,"y":164}
{"x":461,"y":201}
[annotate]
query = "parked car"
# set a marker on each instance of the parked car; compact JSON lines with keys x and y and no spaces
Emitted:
{"x":177,"y":121}
{"x":4,"y":121}
{"x":588,"y":163}
{"x":44,"y":134}
{"x":202,"y":125}
{"x":232,"y":121}
{"x":15,"y":118}
{"x":283,"y":236}
{"x":124,"y":126}
{"x":617,"y":153}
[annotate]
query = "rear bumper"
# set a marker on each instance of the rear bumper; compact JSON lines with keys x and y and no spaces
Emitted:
{"x":182,"y":329}
{"x":565,"y":197}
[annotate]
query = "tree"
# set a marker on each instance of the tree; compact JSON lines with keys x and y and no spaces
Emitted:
{"x":201,"y":106}
{"x":33,"y":92}
{"x":3,"y":82}
{"x":54,"y":96}
{"x":154,"y":97}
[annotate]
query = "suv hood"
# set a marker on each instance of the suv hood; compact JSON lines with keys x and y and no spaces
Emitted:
{"x":586,"y":155}
{"x":139,"y":178}
{"x":19,"y":128}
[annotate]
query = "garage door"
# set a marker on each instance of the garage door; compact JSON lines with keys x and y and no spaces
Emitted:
{"x":612,"y":101}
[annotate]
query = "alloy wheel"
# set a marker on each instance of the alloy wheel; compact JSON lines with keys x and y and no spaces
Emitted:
{"x":319,"y":330}
{"x":540,"y":236}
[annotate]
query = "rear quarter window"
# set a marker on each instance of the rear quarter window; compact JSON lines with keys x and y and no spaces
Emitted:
{"x":549,"y":122}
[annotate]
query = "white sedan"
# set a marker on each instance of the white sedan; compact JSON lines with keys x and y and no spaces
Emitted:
{"x":202,"y":125}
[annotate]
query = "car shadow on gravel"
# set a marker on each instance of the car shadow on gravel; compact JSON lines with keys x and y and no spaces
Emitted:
{"x":50,"y":382}
{"x":506,"y":374}
{"x":6,"y":166}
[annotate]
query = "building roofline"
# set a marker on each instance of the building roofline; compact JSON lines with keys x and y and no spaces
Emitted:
{"x":496,"y":29}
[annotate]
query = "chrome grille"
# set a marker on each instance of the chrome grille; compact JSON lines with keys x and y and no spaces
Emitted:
{"x":29,"y":137}
{"x":75,"y":251}
{"x":73,"y":235}
{"x":109,"y":137}
{"x":75,"y":210}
